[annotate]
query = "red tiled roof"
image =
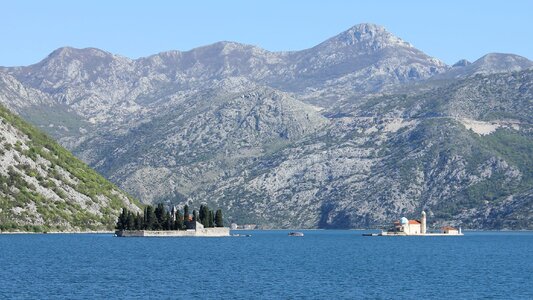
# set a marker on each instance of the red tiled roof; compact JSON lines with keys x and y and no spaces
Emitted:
{"x":414,"y":222}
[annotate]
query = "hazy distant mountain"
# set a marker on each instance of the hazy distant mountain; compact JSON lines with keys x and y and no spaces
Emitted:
{"x":352,"y":132}
{"x":488,"y":64}
{"x":362,"y":59}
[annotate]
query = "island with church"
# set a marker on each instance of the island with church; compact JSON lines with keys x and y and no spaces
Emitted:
{"x":162,"y":222}
{"x":406,"y":227}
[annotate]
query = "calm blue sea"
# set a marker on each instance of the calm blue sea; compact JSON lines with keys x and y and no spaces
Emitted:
{"x":268,"y":265}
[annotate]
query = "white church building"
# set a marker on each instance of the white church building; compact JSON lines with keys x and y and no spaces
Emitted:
{"x":417,"y":227}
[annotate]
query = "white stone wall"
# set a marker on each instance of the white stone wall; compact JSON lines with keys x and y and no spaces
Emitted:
{"x":206,"y":232}
{"x":413,"y":229}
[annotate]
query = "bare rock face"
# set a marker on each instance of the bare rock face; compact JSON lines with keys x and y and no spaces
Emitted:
{"x":355,"y":131}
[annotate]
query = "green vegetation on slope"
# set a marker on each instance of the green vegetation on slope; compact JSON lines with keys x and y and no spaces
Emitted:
{"x":55,"y":169}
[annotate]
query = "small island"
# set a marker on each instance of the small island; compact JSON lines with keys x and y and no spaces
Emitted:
{"x":406,"y":227}
{"x":160,"y":222}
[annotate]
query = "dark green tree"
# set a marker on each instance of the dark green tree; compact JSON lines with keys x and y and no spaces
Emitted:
{"x":139,"y":222}
{"x":211,"y":219}
{"x":186,"y":212}
{"x":150,"y":219}
{"x":122,"y":219}
{"x":145,"y":213}
{"x":130,"y":225}
{"x":145,"y":217}
{"x":201,"y":214}
{"x":178,"y":224}
{"x":204,"y":215}
{"x":167,"y":222}
{"x":160,"y":213}
{"x":219,"y":222}
{"x":195,"y":216}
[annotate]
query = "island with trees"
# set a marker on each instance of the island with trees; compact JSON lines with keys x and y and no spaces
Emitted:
{"x":160,"y":221}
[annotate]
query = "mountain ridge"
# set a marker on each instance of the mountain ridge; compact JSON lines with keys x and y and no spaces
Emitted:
{"x":353,"y":131}
{"x":487,"y":64}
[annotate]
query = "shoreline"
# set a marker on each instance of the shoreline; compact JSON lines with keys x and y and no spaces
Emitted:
{"x":312,"y":229}
{"x":58,"y":232}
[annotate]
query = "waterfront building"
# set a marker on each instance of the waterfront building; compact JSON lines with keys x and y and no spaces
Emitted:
{"x":417,"y":227}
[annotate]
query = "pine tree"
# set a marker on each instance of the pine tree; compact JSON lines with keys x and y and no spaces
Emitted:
{"x":219,"y":222}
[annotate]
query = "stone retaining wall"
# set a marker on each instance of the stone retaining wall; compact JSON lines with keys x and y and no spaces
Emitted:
{"x":206,"y":232}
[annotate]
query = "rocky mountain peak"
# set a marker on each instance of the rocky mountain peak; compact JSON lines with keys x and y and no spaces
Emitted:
{"x":72,"y":66}
{"x":502,"y":62}
{"x":367,"y":36}
{"x":81,"y":54}
{"x":462,"y":63}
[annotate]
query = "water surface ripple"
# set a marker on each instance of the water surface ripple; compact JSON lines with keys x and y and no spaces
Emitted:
{"x":268,"y":265}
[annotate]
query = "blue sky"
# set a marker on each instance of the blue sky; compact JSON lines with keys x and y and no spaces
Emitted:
{"x":449,"y":30}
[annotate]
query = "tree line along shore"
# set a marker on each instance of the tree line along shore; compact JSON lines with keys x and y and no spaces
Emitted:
{"x":160,"y":218}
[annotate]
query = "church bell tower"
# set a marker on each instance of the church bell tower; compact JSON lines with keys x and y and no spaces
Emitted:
{"x":423,"y":223}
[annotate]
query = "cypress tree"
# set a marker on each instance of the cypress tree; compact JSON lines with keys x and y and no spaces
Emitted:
{"x":160,"y":213}
{"x":138,"y":222}
{"x":195,"y":216}
{"x":170,"y":223}
{"x":151,"y":219}
{"x":167,"y":222}
{"x":145,"y":216}
{"x":204,"y":215}
{"x":219,"y":222}
{"x":178,"y":224}
{"x":186,"y":212}
{"x":131,"y":221}
{"x":122,"y":219}
{"x":211,"y":219}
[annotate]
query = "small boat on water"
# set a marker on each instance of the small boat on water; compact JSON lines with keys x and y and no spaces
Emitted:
{"x":296,"y":234}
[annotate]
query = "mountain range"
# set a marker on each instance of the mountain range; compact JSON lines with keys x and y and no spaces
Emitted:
{"x":354,"y":132}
